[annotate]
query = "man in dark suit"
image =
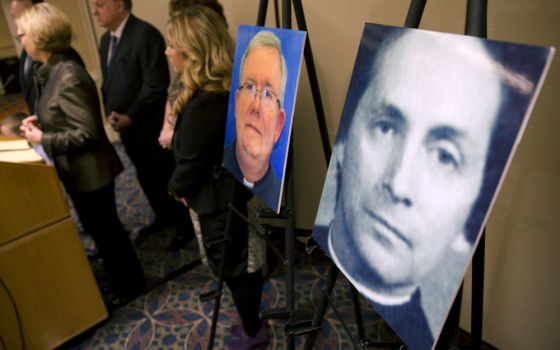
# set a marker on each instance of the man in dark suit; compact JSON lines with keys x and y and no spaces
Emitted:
{"x":17,"y":7}
{"x":135,"y":80}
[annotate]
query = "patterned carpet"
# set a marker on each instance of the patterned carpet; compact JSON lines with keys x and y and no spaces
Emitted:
{"x":170,"y":316}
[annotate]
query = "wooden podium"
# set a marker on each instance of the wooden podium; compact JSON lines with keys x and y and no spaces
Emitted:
{"x":48,"y":293}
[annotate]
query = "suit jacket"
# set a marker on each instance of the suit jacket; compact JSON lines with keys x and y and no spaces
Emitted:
{"x":26,"y":82}
{"x":73,"y":133}
{"x":136,"y":81}
{"x":198,"y":147}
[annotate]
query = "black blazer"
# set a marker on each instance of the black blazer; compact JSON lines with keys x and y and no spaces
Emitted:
{"x":136,"y":81}
{"x":26,"y":82}
{"x":73,"y":133}
{"x":198,"y":143}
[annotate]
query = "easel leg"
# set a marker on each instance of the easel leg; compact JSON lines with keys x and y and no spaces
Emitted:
{"x":477,"y":293}
{"x":476,"y":25}
{"x":217,"y":295}
{"x":414,"y":15}
{"x":290,"y":247}
{"x":332,"y":275}
{"x":358,"y":313}
{"x":450,"y":329}
{"x":261,"y":14}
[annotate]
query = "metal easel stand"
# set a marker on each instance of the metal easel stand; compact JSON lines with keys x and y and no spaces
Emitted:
{"x":293,"y":328}
{"x":287,"y":212}
{"x":224,"y":240}
{"x":216,"y":295}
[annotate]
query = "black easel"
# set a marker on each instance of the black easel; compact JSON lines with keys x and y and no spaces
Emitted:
{"x":288,"y":212}
{"x":476,"y":26}
{"x":217,"y":294}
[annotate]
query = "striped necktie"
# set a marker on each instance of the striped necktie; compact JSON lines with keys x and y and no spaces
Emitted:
{"x":112,"y":49}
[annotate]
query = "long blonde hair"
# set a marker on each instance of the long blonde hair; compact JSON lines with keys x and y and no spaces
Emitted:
{"x":200,"y":34}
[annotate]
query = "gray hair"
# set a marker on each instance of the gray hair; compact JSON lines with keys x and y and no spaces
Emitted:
{"x":266,"y":38}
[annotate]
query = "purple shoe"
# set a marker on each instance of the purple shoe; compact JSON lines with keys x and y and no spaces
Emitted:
{"x":237,"y":330}
{"x":244,"y":342}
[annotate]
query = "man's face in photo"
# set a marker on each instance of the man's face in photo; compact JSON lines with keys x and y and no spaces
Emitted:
{"x":419,"y":138}
{"x":258,"y":120}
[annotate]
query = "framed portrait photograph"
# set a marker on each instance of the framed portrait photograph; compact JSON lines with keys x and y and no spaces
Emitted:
{"x":265,"y":78}
{"x":428,"y":129}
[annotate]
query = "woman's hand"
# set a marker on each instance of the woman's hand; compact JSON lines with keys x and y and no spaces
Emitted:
{"x":165,"y":137}
{"x":166,"y":134}
{"x":30,"y":131}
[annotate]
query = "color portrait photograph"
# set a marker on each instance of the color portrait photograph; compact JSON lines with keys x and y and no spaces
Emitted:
{"x":265,"y":77}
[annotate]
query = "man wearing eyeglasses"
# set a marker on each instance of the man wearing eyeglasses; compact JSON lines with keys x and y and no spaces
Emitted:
{"x":259,"y":117}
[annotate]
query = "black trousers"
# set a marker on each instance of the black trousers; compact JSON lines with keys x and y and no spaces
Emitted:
{"x":154,"y":166}
{"x":98,"y":213}
{"x":246,"y":288}
{"x":246,"y":291}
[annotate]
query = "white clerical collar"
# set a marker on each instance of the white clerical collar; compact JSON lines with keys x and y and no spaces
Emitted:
{"x":118,"y":32}
{"x":248,"y":183}
{"x":364,"y":290}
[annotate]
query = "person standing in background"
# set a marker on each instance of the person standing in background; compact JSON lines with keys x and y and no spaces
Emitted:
{"x":135,"y":81}
{"x":200,"y":49}
{"x":69,"y":126}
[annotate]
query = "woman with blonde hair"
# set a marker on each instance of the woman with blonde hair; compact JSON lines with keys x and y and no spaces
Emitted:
{"x":201,"y":51}
{"x":68,"y":125}
{"x":165,"y":138}
{"x":176,"y":7}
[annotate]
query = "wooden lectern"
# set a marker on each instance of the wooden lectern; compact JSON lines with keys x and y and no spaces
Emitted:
{"x":48,"y":293}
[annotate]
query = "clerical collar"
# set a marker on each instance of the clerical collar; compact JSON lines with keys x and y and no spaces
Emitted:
{"x":363,"y":289}
{"x":248,"y":183}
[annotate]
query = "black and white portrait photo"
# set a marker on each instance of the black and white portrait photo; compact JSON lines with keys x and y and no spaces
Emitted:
{"x":426,"y":134}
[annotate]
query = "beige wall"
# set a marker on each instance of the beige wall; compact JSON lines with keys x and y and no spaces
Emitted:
{"x":7,"y":48}
{"x":7,"y":32}
{"x":522,"y":298}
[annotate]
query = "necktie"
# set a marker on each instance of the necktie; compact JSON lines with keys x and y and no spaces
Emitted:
{"x":112,"y":49}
